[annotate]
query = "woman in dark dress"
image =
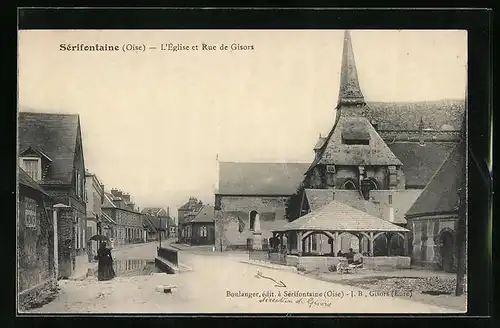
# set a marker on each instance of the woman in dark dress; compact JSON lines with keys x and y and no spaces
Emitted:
{"x":105,"y":269}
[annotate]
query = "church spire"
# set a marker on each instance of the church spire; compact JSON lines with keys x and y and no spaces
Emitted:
{"x":350,"y":92}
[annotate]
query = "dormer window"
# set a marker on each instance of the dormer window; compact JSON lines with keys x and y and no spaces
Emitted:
{"x":32,"y":166}
{"x":355,"y":136}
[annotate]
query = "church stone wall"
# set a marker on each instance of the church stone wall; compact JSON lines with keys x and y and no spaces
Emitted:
{"x":236,"y":209}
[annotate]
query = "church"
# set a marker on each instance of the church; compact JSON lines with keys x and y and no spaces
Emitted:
{"x":378,"y":157}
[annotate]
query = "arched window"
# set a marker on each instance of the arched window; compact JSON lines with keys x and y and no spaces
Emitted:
{"x":349,"y":185}
{"x":373,"y":184}
{"x":253,"y":214}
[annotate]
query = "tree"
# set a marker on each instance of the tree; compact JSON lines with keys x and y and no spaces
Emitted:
{"x":222,"y":223}
{"x":294,"y":203}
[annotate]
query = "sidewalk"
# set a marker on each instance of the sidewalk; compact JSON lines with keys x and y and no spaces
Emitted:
{"x":271,"y":265}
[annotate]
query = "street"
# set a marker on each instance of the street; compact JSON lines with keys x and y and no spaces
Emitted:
{"x":219,"y":283}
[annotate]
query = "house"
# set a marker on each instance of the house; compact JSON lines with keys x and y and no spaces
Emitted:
{"x":250,"y":201}
{"x":185,"y":212}
{"x":378,"y":157}
{"x":37,"y":278}
{"x":94,"y":190}
{"x":119,"y":209}
{"x":200,"y":227}
{"x":51,"y":153}
{"x":172,"y":227}
{"x":160,"y":221}
{"x":433,"y":218}
{"x":150,"y":228}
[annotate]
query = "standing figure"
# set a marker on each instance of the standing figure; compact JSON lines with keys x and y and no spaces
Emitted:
{"x":105,"y":269}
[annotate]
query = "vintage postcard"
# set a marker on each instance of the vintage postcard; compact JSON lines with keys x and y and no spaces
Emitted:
{"x":242,"y":171}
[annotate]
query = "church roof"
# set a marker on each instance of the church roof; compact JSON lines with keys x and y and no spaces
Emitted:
{"x":320,"y":143}
{"x":420,"y":162}
{"x":440,"y":196}
{"x":260,"y":178}
{"x":337,"y":152}
{"x":337,"y":216}
{"x":377,"y":205}
{"x":403,"y":116}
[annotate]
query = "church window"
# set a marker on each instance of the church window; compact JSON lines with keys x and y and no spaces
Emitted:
{"x":349,"y":185}
{"x":253,"y":214}
{"x":373,"y":184}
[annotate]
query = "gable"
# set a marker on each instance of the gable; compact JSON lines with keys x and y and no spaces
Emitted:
{"x":56,"y":136}
{"x":338,"y":153}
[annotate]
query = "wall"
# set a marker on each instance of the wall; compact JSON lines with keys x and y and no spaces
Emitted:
{"x":35,"y":250}
{"x":386,"y":262}
{"x":425,"y":233}
{"x":271,"y":212}
{"x":66,"y":241}
{"x":196,"y":239}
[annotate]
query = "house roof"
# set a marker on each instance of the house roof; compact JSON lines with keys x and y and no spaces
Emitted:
{"x":337,"y":216}
{"x":147,"y":223}
{"x":206,"y":214}
{"x":26,"y":180}
{"x":53,"y":134}
{"x":421,"y":162}
{"x":260,"y":178}
{"x":377,"y":205}
{"x":108,"y":218}
{"x":440,"y":196}
{"x":407,"y":115}
{"x":155,"y":222}
{"x":108,"y":200}
{"x":154,"y":210}
{"x":337,"y":153}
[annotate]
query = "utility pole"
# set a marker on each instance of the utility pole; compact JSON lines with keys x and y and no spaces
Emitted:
{"x":160,"y":230}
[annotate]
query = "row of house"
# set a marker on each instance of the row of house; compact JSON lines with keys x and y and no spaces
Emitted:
{"x":62,"y":205}
{"x":396,"y":161}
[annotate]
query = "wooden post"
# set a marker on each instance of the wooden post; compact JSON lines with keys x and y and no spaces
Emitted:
{"x":406,"y":241}
{"x":56,"y":244}
{"x":371,"y":244}
{"x":338,"y":241}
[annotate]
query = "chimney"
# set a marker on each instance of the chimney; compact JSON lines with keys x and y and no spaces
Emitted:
{"x":168,"y":211}
{"x":126,"y":197}
{"x":391,"y":210}
{"x":131,"y":206}
{"x":114,"y":192}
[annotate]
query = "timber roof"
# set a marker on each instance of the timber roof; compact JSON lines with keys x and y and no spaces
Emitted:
{"x":56,"y":136}
{"x":260,"y":178}
{"x":337,"y":216}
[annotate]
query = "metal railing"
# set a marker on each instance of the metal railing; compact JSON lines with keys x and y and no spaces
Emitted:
{"x":168,"y":254}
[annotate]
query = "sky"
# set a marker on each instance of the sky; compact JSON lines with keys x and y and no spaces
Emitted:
{"x":154,"y":121}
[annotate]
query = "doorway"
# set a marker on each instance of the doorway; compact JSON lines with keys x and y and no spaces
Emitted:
{"x":447,"y":251}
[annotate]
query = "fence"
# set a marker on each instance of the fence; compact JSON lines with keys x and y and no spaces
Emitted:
{"x":267,"y":256}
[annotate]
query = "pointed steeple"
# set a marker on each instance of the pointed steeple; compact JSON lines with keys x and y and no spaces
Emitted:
{"x":350,"y":92}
